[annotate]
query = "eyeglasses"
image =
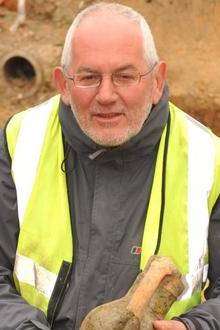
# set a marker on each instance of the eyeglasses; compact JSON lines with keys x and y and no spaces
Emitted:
{"x":121,"y":78}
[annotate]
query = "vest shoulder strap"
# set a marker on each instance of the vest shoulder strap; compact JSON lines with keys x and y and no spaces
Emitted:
{"x":215,"y":146}
{"x":32,"y":116}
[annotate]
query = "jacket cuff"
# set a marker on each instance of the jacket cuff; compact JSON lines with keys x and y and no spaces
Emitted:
{"x":188,"y":324}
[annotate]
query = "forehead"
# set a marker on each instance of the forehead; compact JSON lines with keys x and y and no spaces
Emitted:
{"x":106,"y":41}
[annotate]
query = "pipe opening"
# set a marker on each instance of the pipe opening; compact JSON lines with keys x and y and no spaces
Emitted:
{"x":20,"y":73}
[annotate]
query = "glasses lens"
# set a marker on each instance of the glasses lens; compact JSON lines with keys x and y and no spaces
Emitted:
{"x":87,"y":80}
{"x":125,"y":78}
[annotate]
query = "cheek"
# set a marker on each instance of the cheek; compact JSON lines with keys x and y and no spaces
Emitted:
{"x":137,"y":102}
{"x":82,"y":100}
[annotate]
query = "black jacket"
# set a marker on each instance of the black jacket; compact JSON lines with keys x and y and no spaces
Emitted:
{"x":108,"y":193}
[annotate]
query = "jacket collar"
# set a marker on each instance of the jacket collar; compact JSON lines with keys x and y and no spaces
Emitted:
{"x":142,"y":144}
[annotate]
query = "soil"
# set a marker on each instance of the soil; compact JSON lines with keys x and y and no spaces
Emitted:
{"x":186,"y":34}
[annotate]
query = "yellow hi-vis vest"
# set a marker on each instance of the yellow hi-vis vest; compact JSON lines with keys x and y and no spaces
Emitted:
{"x":192,"y":185}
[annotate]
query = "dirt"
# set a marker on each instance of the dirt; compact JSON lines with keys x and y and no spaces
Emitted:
{"x":186,"y":34}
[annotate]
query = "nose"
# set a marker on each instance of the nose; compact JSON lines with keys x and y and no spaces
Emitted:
{"x":106,"y":92}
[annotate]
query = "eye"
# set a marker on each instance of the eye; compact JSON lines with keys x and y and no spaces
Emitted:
{"x":125,"y":76}
{"x":87,"y":78}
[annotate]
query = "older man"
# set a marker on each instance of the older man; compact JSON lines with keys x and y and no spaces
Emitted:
{"x":107,"y":168}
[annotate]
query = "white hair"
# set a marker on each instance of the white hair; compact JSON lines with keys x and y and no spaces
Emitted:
{"x":150,"y":52}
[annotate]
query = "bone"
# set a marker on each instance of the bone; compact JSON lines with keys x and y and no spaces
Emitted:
{"x":149,"y":298}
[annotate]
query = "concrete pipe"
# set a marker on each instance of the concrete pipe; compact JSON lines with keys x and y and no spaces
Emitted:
{"x":22,"y":73}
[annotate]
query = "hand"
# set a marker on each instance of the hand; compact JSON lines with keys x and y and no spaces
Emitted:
{"x":169,"y":325}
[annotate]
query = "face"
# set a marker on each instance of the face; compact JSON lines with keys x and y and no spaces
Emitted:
{"x":110,"y":115}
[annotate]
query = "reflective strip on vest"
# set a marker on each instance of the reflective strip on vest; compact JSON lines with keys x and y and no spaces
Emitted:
{"x":200,"y":179}
{"x":30,"y":272}
{"x":27,"y":152}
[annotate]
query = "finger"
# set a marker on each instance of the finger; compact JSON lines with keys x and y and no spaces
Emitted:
{"x":169,"y":325}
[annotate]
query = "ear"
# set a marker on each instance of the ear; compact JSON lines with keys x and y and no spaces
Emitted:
{"x":61,"y":84}
{"x":159,"y":81}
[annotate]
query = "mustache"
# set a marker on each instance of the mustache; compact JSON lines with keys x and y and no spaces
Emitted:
{"x":98,"y":110}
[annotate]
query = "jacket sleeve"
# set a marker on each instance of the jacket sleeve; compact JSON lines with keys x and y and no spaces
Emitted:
{"x":15,"y":313}
{"x":207,"y":315}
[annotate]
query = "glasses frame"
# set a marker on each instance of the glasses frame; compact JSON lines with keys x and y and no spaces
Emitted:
{"x":140,"y":75}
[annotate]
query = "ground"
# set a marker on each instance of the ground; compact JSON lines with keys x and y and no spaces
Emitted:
{"x":186,"y":34}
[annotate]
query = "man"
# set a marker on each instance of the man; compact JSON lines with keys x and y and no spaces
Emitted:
{"x":107,"y":168}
